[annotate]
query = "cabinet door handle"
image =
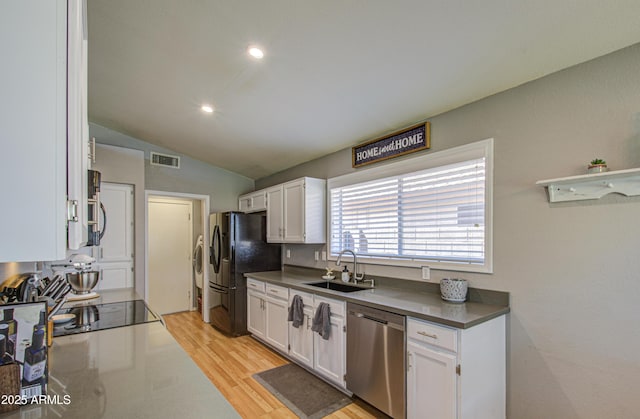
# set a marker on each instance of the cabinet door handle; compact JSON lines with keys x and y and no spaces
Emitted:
{"x":429,"y":335}
{"x":409,"y":354}
{"x":308,"y":318}
{"x":92,"y":153}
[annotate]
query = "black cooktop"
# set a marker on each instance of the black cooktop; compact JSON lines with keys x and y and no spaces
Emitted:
{"x":89,"y":318}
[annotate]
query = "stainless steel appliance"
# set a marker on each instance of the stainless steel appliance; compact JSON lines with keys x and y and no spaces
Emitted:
{"x":77,"y":269}
{"x":376,"y":358}
{"x":238,"y":245}
{"x":96,"y":232}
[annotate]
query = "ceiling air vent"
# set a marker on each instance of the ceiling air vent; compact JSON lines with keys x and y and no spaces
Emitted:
{"x":166,"y":160}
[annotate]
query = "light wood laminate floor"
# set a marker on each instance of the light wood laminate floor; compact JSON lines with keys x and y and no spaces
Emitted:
{"x":230,"y":363}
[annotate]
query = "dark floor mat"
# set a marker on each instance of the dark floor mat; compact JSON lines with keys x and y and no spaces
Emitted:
{"x":302,"y":392}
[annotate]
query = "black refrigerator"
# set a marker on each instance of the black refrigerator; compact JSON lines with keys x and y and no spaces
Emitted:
{"x":238,"y":245}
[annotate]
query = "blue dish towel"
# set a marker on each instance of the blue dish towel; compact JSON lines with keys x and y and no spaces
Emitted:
{"x":321,"y":322}
{"x":296,"y":311}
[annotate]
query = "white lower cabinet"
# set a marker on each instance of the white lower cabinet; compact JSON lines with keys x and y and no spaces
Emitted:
{"x":456,"y":373}
{"x":256,"y":319}
{"x":267,"y":314}
{"x":276,"y":311}
{"x":431,"y":382}
{"x":115,"y":275}
{"x":267,"y":310}
{"x":330,"y":355}
{"x":451,"y":373}
{"x":301,"y":338}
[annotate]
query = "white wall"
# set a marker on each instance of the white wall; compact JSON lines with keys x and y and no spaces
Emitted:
{"x":573,"y":269}
{"x":194,"y":176}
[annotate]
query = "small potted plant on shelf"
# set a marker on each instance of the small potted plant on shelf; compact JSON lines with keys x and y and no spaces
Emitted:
{"x":597,"y":166}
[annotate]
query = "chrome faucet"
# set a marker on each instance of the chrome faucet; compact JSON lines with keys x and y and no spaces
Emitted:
{"x":356,"y":278}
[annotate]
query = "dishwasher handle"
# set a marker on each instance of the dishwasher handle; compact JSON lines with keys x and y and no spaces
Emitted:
{"x":364,"y":316}
{"x":384,"y":322}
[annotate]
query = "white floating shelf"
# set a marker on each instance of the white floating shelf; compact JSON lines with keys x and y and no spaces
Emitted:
{"x":593,"y":186}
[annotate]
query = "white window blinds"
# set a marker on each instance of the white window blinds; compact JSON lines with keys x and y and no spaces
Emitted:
{"x":432,"y":215}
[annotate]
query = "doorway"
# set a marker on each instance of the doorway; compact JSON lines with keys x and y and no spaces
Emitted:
{"x":173,"y":223}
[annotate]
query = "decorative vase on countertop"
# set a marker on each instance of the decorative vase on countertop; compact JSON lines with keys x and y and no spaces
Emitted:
{"x":453,"y":289}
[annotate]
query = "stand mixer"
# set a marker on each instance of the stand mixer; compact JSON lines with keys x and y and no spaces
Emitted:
{"x":80,"y":276}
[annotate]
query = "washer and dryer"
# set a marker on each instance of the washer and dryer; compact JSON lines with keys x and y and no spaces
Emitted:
{"x":198,"y":266}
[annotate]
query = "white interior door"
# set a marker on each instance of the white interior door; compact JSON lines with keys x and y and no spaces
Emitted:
{"x":115,"y":254}
{"x":169,"y":247}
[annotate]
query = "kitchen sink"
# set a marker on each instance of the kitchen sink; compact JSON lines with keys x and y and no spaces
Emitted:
{"x":336,"y":286}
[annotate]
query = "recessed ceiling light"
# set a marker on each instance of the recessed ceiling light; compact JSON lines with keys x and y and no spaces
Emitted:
{"x":256,"y":52}
{"x":207,"y":108}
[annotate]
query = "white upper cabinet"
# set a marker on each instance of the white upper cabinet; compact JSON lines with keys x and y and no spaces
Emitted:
{"x":275,"y":215}
{"x":77,"y":122}
{"x":34,"y":125}
{"x":253,"y":202}
{"x":296,"y":211}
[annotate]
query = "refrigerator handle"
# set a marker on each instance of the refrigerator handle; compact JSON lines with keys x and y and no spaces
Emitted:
{"x":212,"y":245}
{"x":219,"y":289}
{"x":216,"y":248}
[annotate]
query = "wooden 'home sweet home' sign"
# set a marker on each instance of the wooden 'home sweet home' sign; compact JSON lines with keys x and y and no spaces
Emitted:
{"x":409,"y":140}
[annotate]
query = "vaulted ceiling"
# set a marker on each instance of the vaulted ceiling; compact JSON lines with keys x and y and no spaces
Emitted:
{"x":335,"y":72}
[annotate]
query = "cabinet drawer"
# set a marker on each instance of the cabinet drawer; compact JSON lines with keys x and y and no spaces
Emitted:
{"x":436,"y":335}
{"x":255,"y":285}
{"x":336,"y":307}
{"x":278,"y":291}
{"x":307,"y":298}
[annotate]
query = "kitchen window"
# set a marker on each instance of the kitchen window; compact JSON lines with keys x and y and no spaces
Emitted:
{"x":432,"y":210}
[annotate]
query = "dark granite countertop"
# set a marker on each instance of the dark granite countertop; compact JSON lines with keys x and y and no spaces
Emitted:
{"x":419,"y":300}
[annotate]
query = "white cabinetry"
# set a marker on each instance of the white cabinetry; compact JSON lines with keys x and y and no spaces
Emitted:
{"x":255,"y":308}
{"x":277,"y":310}
{"x":296,"y":211}
{"x":115,"y":275}
{"x":275,"y":214}
{"x":456,"y":373}
{"x":115,"y":253}
{"x":267,"y":310}
{"x":301,"y":338}
{"x":267,"y":313}
{"x":253,"y":202}
{"x":34,"y":114}
{"x":431,"y":382}
{"x":330,"y":355}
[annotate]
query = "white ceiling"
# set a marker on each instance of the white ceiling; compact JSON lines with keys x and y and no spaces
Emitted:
{"x":336,"y":72}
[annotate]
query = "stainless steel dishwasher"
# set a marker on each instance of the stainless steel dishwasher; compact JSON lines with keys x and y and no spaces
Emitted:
{"x":376,"y":358}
